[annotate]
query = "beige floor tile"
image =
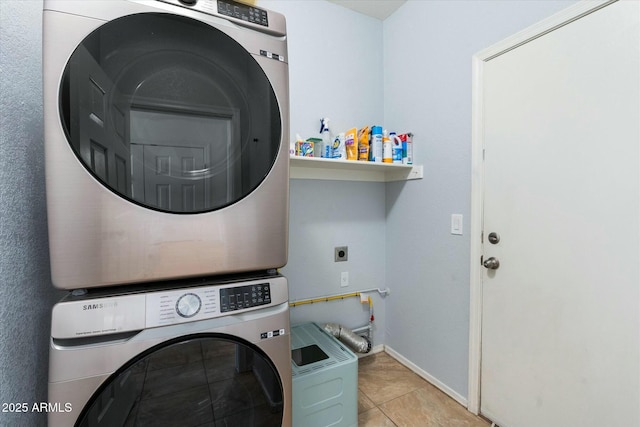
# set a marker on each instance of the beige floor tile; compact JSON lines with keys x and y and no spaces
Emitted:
{"x":364,"y":403}
{"x":374,"y":418}
{"x":429,"y":407}
{"x":382,"y":378}
{"x":390,"y":395}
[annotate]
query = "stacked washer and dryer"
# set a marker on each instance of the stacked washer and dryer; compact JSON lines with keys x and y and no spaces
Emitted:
{"x":167,"y":195}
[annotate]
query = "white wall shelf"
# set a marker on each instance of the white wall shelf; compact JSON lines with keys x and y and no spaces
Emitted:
{"x":345,"y":170}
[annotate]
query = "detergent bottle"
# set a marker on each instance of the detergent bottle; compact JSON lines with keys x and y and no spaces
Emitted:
{"x":396,"y":148}
{"x":387,"y":148}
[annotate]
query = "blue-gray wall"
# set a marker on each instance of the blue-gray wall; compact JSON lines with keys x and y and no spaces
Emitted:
{"x":26,"y":293}
{"x":336,"y":71}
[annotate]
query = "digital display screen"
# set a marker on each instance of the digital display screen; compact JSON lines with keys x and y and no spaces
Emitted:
{"x":243,"y":12}
{"x":241,"y":297}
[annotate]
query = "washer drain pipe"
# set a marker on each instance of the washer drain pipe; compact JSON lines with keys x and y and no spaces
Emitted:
{"x":350,"y":338}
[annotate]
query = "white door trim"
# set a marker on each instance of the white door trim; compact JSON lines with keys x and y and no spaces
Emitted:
{"x":558,"y":20}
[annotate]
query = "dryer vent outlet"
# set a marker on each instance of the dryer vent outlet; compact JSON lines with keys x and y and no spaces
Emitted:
{"x":341,"y":253}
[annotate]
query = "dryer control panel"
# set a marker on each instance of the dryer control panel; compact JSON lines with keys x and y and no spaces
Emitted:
{"x":243,"y":12}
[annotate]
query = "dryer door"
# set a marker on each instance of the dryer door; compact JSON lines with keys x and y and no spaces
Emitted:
{"x":170,"y":113}
{"x":212,"y":380}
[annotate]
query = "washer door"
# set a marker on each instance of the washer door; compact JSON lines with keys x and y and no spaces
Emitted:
{"x":170,"y":113}
{"x":212,"y":380}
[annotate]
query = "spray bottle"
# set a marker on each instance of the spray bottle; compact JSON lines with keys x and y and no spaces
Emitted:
{"x":327,"y":150}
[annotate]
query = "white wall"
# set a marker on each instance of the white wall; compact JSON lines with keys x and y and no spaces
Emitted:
{"x":428,"y":47}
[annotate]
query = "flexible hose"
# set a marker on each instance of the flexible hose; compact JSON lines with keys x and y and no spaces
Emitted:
{"x":350,"y":338}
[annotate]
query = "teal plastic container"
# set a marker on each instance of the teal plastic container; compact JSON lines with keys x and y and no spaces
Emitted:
{"x":325,"y":379}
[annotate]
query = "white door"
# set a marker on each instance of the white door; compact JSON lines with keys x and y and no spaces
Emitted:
{"x":560,"y":315}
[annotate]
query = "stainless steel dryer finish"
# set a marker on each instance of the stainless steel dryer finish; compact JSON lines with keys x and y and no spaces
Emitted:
{"x":189,"y":356}
{"x":101,"y":237}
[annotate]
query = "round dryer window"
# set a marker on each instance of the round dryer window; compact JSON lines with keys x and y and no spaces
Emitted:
{"x":170,"y":113}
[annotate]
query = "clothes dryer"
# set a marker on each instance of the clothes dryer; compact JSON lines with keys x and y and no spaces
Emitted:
{"x":165,"y":128}
{"x":203,"y":354}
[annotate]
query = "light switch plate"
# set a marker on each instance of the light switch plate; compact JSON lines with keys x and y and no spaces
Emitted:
{"x":344,"y":279}
{"x":456,"y":224}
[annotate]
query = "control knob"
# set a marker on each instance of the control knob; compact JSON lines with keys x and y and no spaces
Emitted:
{"x":188,"y":305}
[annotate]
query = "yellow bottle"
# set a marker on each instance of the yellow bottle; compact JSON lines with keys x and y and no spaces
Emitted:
{"x":387,"y":148}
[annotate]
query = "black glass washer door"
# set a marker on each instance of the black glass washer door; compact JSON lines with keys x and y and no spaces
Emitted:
{"x":170,"y":113}
{"x":199,"y":381}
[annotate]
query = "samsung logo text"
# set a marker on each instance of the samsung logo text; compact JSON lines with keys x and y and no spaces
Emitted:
{"x":99,"y":306}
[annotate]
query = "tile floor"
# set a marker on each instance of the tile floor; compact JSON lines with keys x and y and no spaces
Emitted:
{"x":391,"y":395}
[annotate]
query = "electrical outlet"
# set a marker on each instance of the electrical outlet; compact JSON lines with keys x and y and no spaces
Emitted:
{"x":344,"y":279}
{"x":341,"y":253}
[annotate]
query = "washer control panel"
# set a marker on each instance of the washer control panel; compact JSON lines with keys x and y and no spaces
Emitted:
{"x":85,"y":316}
{"x":181,"y":305}
{"x":247,"y":296}
{"x":188,"y":305}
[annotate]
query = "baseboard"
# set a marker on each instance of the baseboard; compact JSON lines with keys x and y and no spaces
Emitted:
{"x":430,"y":378}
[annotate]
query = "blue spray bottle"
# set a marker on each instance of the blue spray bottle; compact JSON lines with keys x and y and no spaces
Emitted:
{"x":326,"y":138}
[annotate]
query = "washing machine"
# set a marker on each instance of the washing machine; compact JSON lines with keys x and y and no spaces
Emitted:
{"x":166,"y":125}
{"x":201,"y":354}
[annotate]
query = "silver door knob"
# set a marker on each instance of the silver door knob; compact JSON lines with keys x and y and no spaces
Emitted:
{"x":491,"y":263}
